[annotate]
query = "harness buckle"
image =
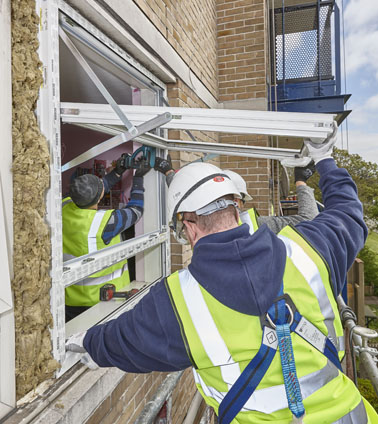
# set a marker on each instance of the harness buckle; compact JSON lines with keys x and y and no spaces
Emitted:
{"x":266,"y":320}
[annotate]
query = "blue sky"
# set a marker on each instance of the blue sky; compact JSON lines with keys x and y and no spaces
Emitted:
{"x":361,"y":46}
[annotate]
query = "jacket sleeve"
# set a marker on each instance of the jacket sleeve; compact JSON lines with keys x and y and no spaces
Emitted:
{"x":146,"y":338}
{"x":339,"y":232}
{"x":109,"y":180}
{"x":307,"y":210}
{"x":122,"y":219}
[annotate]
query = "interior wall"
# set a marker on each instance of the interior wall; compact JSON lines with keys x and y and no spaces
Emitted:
{"x":76,"y":140}
{"x":32,"y":251}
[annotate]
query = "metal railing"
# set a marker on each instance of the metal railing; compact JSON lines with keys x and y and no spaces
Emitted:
{"x":358,"y":338}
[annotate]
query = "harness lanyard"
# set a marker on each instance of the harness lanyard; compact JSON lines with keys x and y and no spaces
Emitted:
{"x":285,"y":346}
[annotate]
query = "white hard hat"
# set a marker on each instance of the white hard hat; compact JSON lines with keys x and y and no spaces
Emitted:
{"x":239,"y":183}
{"x":197,"y":185}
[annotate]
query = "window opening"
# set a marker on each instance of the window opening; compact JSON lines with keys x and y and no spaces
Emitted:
{"x":145,"y":244}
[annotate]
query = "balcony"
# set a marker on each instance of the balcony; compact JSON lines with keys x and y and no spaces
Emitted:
{"x":305,"y":58}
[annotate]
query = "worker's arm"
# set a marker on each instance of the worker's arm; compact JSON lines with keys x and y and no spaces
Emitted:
{"x":110,"y":180}
{"x":146,"y":338}
{"x":124,"y":218}
{"x":339,"y":232}
{"x":307,"y":210}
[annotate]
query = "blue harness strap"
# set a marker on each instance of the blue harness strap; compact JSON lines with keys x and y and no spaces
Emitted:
{"x":249,"y":379}
{"x":287,"y":320}
{"x":285,"y":345}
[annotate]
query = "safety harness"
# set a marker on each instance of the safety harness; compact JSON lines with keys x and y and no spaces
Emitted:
{"x":277,"y":324}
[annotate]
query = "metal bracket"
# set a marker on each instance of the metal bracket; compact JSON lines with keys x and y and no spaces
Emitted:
{"x":97,"y":82}
{"x":117,"y":140}
{"x":128,"y":135}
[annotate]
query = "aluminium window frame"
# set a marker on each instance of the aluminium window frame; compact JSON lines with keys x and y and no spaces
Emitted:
{"x":48,"y":115}
{"x":317,"y":126}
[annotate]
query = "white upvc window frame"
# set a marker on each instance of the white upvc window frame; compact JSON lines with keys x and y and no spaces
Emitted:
{"x":103,"y":117}
{"x":153,"y":241}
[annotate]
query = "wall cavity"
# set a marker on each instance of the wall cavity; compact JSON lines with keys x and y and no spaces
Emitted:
{"x":32,"y":247}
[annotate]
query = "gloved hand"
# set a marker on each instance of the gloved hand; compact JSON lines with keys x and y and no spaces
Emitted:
{"x":318,"y":152}
{"x":120,"y":167}
{"x":89,"y":362}
{"x":304,"y":173}
{"x":163,"y":165}
{"x":144,"y":167}
{"x":75,"y":343}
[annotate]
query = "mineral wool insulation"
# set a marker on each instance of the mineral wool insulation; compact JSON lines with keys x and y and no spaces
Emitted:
{"x":32,"y":247}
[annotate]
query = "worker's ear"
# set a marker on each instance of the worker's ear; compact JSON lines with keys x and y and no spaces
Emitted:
{"x":192,"y":232}
{"x":237,"y":214}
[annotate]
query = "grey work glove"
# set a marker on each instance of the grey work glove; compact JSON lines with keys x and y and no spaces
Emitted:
{"x":89,"y":362}
{"x":144,"y":167}
{"x":120,"y":167}
{"x":304,"y":173}
{"x":163,"y":165}
{"x":320,"y":151}
{"x":75,"y":343}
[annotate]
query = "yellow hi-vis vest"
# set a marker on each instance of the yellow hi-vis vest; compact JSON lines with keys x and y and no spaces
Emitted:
{"x":221,"y":342}
{"x":249,"y":217}
{"x":82,"y":230}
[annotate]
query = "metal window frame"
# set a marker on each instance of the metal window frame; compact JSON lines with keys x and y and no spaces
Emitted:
{"x":317,"y":126}
{"x":48,"y":115}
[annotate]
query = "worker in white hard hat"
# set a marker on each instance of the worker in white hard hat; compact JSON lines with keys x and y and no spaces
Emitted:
{"x":307,"y":207}
{"x":254,"y":315}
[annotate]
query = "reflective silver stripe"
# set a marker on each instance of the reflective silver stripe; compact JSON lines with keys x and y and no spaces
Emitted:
{"x":92,"y":242}
{"x":206,"y":328}
{"x":67,"y":257}
{"x":66,"y":202}
{"x":246,"y":219}
{"x":310,"y":272}
{"x":357,"y":416}
{"x":262,"y":400}
{"x":341,"y":343}
{"x":103,"y":279}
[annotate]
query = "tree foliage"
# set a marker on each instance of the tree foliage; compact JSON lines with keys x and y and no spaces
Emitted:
{"x":370,"y":267}
{"x":365,"y":175}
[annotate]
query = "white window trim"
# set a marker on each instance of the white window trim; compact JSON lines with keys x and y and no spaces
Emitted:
{"x":48,"y":113}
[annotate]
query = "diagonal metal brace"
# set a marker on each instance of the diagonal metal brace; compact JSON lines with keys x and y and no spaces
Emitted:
{"x":97,"y":82}
{"x":117,"y":140}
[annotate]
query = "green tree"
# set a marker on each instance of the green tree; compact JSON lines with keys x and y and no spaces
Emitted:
{"x":370,"y":267}
{"x":365,"y":175}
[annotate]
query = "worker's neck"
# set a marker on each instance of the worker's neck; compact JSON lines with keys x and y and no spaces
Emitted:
{"x":95,"y":207}
{"x":195,"y":236}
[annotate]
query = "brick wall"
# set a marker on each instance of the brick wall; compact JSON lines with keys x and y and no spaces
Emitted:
{"x":190,"y":27}
{"x":242,"y":68}
{"x":241,"y":49}
{"x":127,"y":401}
{"x":179,"y":95}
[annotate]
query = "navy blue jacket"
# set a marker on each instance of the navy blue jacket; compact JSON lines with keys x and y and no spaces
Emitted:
{"x":242,"y":271}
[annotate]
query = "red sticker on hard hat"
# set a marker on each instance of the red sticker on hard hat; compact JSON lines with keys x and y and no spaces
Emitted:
{"x":218,"y":179}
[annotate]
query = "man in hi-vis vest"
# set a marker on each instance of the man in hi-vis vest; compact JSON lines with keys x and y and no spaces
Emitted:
{"x":254,"y":315}
{"x":87,"y":229}
{"x":307,"y":207}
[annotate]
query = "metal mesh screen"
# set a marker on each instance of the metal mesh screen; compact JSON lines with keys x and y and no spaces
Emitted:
{"x":303,"y":46}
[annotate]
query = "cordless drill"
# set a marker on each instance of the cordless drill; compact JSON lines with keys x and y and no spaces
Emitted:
{"x":108,"y":291}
